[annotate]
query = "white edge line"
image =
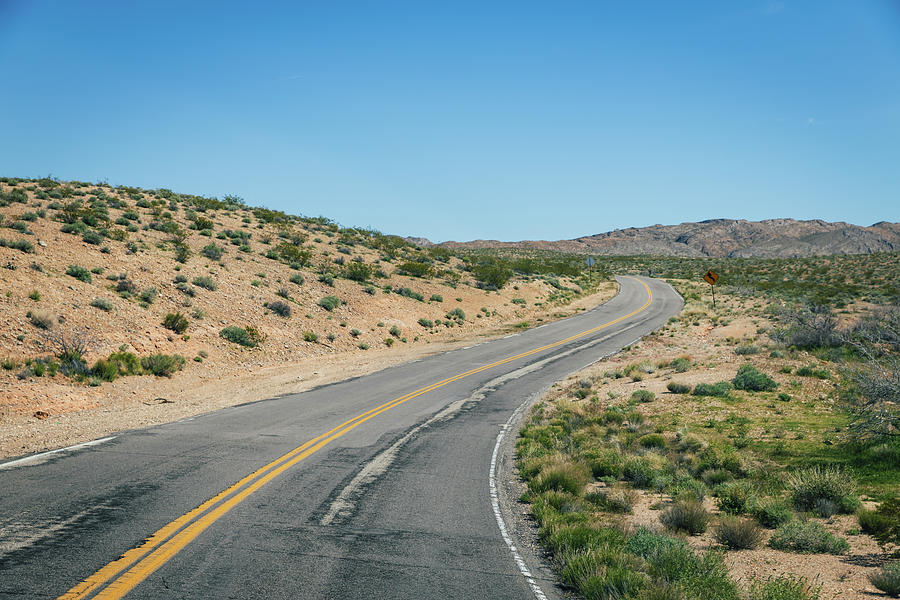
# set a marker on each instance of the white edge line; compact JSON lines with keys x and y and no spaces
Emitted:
{"x":495,"y":504}
{"x":35,"y":457}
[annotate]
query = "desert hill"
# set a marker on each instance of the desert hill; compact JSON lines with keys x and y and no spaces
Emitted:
{"x":103,"y":284}
{"x":721,"y":238}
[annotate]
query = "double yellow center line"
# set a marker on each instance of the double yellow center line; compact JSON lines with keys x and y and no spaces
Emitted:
{"x":137,"y":564}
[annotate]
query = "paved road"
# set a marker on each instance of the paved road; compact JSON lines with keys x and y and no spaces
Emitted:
{"x":386,"y":496}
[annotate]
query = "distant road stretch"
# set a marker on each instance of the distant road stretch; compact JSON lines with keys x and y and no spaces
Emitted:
{"x":390,"y":485}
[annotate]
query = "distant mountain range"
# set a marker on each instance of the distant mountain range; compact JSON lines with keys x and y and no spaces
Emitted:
{"x":772,"y":238}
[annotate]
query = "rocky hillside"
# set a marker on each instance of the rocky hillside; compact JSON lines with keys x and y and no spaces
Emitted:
{"x":772,"y":238}
{"x":101,"y":285}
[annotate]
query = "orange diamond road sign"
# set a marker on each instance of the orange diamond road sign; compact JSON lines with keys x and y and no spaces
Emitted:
{"x":711,"y":277}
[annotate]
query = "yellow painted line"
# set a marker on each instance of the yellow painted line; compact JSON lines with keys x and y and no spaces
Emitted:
{"x":173,"y":537}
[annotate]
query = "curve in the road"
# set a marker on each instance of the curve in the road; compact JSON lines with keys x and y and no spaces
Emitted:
{"x":165,"y":543}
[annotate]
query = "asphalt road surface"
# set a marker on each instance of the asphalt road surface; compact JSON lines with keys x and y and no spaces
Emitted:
{"x":392,"y":485}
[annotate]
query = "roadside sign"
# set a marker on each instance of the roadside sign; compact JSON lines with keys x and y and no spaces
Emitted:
{"x":590,"y":261}
{"x":711,"y":277}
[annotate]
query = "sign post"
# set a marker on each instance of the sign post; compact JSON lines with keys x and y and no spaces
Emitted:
{"x":711,"y":278}
{"x":590,"y":263}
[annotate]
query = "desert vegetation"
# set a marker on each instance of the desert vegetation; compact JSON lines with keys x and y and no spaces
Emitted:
{"x":218,"y":280}
{"x":737,"y":436}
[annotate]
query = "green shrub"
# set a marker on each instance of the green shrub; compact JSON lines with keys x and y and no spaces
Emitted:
{"x":395,"y":331}
{"x":733,"y":497}
{"x":21,"y":244}
{"x":457,"y":314}
{"x":102,"y":304}
{"x":329,"y":303}
{"x":705,"y":576}
{"x":126,"y":363}
{"x":616,"y":500}
{"x":783,"y":587}
{"x":563,"y":476}
{"x":771,"y":512}
{"x":162,"y":365}
{"x":680,"y":364}
{"x":176,"y":321}
{"x":646,"y":544}
{"x":105,"y":370}
{"x":807,"y":537}
{"x":148,"y":295}
{"x":685,"y":515}
{"x":92,"y":237}
{"x":678,"y":388}
{"x":245,"y":337}
{"x":212,"y":251}
{"x":206,"y":282}
{"x":327,"y":279}
{"x":720,"y":389}
{"x":750,"y":378}
{"x":607,"y":463}
{"x":808,"y":371}
{"x":883,"y":523}
{"x":282,"y":309}
{"x":426,"y":323}
{"x":809,"y":486}
{"x":297,"y":278}
{"x":738,"y":534}
{"x":643,"y":396}
{"x":358,"y":271}
{"x":746,"y":350}
{"x":888,"y":579}
{"x":310,"y":336}
{"x":652,"y":440}
{"x":79,"y":273}
{"x":639,"y":471}
{"x":436,"y":298}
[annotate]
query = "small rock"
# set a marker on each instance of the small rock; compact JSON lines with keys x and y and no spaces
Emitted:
{"x":41,"y":414}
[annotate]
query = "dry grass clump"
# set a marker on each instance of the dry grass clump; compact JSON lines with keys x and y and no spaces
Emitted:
{"x":688,"y":516}
{"x":736,"y":533}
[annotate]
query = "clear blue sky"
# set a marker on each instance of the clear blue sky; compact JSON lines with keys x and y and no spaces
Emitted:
{"x":463,"y":120}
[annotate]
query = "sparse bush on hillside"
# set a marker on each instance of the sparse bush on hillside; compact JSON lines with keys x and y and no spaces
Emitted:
{"x":720,"y":389}
{"x":212,"y":251}
{"x":643,"y":396}
{"x":206,"y":282}
{"x":678,"y":388}
{"x":102,"y":304}
{"x":248,"y":336}
{"x":415,"y":269}
{"x":148,"y":295}
{"x":79,"y":273}
{"x":297,"y":278}
{"x":282,"y":309}
{"x":176,"y":321}
{"x":750,"y":378}
{"x":162,"y":365}
{"x":41,"y":319}
{"x":329,"y":303}
{"x":358,"y":271}
{"x":21,"y":245}
{"x":310,"y":336}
